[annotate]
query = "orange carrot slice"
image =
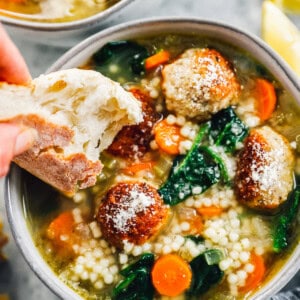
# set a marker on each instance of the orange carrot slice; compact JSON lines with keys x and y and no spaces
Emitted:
{"x":267,"y":99}
{"x":135,"y":168}
{"x":255,"y":278}
{"x":210,"y":211}
{"x":171,"y":275}
{"x":157,"y":59}
{"x":61,"y":233}
{"x":167,"y":137}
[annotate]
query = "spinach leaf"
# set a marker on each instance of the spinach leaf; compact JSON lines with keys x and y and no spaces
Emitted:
{"x":121,"y":59}
{"x":227,"y":129}
{"x":205,"y":273}
{"x":285,"y":221}
{"x":197,"y":170}
{"x":137,"y":283}
{"x":202,"y":166}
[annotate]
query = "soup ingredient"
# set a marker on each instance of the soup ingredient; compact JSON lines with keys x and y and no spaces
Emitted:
{"x":121,"y":59}
{"x":202,"y":166}
{"x":210,"y":211}
{"x":194,"y":174}
{"x":227,"y":130}
{"x":281,"y":34}
{"x":285,"y":221}
{"x":171,"y":275}
{"x":264,"y":174}
{"x":266,"y":97}
{"x":138,"y":167}
{"x":199,"y":83}
{"x":157,"y":59}
{"x":131,"y":212}
{"x":66,"y":152}
{"x":132,"y":142}
{"x":137,"y":283}
{"x":206,"y":272}
{"x":167,"y":137}
{"x":256,"y":277}
{"x":61,"y":233}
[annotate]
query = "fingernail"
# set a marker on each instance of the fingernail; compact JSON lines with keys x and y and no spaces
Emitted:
{"x":25,"y":140}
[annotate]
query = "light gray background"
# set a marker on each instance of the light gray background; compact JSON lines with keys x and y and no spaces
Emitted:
{"x":16,"y":278}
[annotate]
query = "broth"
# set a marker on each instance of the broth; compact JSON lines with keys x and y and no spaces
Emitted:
{"x":211,"y":221}
{"x":53,"y":10}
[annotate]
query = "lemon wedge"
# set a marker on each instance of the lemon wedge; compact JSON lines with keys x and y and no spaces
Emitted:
{"x":281,"y":34}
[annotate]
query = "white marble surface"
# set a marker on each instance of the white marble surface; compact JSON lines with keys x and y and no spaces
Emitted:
{"x":16,"y":278}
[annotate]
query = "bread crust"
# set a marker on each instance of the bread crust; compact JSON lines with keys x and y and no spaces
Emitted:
{"x":45,"y":159}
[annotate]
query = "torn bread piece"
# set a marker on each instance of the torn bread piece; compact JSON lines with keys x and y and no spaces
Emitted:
{"x":77,"y":113}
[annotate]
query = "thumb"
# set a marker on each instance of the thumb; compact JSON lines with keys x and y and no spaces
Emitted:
{"x":24,"y":141}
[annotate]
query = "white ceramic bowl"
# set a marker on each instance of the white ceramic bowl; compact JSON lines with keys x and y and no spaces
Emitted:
{"x":78,"y":56}
{"x":64,"y":34}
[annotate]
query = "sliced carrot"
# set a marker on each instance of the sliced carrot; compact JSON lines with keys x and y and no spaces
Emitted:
{"x":210,"y":211}
{"x":135,"y":168}
{"x":196,"y":225}
{"x":267,"y":99}
{"x":157,"y":59}
{"x":61,"y":232}
{"x":167,"y":137}
{"x":171,"y":275}
{"x":255,"y":278}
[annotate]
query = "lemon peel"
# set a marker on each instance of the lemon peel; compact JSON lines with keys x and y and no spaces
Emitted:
{"x":281,"y":34}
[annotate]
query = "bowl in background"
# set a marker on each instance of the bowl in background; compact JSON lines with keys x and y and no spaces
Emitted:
{"x":63,"y":34}
{"x":79,"y":55}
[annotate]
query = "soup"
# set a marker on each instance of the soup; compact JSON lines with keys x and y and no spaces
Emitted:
{"x":198,"y":200}
{"x":53,"y":10}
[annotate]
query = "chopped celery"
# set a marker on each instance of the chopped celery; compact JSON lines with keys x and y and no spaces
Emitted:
{"x":213,"y":256}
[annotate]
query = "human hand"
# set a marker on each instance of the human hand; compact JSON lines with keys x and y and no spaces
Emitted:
{"x":13,"y":138}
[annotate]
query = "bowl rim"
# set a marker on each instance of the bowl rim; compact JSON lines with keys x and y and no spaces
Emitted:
{"x":288,"y":79}
{"x":90,"y":21}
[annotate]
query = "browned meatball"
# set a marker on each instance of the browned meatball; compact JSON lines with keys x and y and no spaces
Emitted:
{"x":264,"y":170}
{"x":131,"y":212}
{"x":199,"y":83}
{"x":133,"y":141}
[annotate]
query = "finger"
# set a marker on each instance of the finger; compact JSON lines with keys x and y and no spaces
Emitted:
{"x":8,"y":136}
{"x":13,"y":68}
{"x":24,"y":141}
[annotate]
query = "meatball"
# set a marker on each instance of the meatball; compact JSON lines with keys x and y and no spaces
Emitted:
{"x":132,"y":212}
{"x":264,"y":174}
{"x":199,"y":83}
{"x":133,"y":141}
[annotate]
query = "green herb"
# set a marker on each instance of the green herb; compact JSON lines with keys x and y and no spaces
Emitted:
{"x":197,"y":239}
{"x":202,"y":166}
{"x":285,"y":221}
{"x":227,"y":129}
{"x":121,"y":60}
{"x":137,"y":284}
{"x":206,"y":272}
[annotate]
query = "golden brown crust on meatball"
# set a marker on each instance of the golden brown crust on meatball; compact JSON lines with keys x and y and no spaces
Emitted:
{"x":131,"y":212}
{"x":133,"y":141}
{"x":264,"y":175}
{"x":199,"y":83}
